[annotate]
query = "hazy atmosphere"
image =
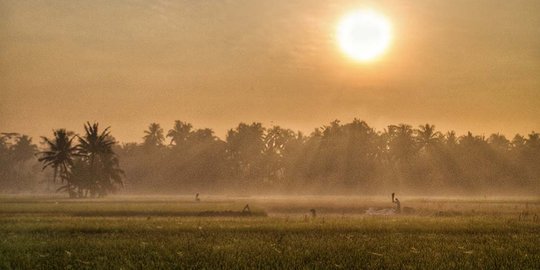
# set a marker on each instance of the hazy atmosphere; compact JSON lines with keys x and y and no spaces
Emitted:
{"x":463,"y":65}
{"x":257,"y":134}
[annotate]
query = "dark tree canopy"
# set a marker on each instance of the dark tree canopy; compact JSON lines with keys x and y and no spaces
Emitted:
{"x":345,"y":158}
{"x":90,"y":168}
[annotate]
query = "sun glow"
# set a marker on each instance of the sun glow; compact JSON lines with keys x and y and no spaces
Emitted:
{"x":363,"y":35}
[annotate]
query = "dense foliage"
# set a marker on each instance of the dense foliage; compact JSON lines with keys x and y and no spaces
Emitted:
{"x":18,"y":167}
{"x":337,"y":158}
{"x":90,"y":168}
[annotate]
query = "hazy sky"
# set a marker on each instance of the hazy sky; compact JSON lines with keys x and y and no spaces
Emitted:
{"x":460,"y":64}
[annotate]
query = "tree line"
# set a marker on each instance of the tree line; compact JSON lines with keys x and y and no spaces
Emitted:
{"x":351,"y":158}
{"x":82,"y":166}
{"x":89,"y":168}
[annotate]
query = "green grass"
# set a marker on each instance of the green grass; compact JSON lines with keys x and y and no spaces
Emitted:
{"x":42,"y":233}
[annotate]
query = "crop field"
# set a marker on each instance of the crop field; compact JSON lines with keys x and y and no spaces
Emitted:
{"x":278,"y":233}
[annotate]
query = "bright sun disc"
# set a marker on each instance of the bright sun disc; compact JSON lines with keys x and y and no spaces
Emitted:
{"x":364,"y":34}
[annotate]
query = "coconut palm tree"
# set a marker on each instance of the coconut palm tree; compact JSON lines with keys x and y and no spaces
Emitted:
{"x":180,"y":132}
{"x":95,"y":144}
{"x":110,"y":175}
{"x":427,"y":137}
{"x":59,"y":154}
{"x":23,"y":149}
{"x":451,"y":138}
{"x":154,"y":135}
{"x":245,"y":146}
{"x":202,"y":135}
{"x":276,"y":139}
{"x":103,"y":170}
{"x":499,"y":142}
{"x":401,"y":141}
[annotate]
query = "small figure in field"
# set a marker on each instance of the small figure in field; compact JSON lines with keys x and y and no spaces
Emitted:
{"x":396,"y":201}
{"x":246,"y":210}
{"x":197,"y":199}
{"x":313,"y":213}
{"x":398,"y":206}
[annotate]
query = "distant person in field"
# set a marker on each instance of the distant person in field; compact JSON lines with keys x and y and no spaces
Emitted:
{"x":197,"y":199}
{"x":246,"y":210}
{"x":396,"y":201}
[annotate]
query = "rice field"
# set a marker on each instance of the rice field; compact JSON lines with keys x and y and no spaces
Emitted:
{"x":41,"y":232}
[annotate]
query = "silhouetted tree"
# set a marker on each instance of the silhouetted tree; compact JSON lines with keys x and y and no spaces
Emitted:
{"x":338,"y":157}
{"x":202,"y":135}
{"x":23,"y":148}
{"x":427,"y":137}
{"x":499,"y":142}
{"x":401,"y":142}
{"x":89,"y":167}
{"x":276,"y":141}
{"x":245,"y":146}
{"x":95,"y":148}
{"x":154,"y":135}
{"x":180,"y":133}
{"x":451,"y":139}
{"x":17,"y":170}
{"x":59,"y":154}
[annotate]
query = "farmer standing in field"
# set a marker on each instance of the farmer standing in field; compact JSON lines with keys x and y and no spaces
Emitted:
{"x":396,"y":201}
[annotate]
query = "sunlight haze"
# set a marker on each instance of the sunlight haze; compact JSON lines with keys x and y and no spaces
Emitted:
{"x":461,"y":65}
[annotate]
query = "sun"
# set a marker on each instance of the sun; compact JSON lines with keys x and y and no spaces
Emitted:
{"x":363,"y":35}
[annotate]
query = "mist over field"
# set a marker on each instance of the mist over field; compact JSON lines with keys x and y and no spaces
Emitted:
{"x":433,"y":99}
{"x":335,"y":159}
{"x":255,"y":134}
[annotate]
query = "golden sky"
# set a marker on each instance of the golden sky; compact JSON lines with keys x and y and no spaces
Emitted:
{"x":460,"y":64}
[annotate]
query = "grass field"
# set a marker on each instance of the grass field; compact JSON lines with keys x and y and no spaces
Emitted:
{"x":176,"y":232}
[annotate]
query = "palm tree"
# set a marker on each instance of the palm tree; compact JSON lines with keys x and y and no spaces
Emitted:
{"x":427,"y":137}
{"x":154,"y":135}
{"x":401,"y":141}
{"x":202,"y":135}
{"x":245,"y":146}
{"x":79,"y":179}
{"x":276,"y":138}
{"x":95,"y":144}
{"x":59,"y":154}
{"x":451,"y":138}
{"x":180,"y":132}
{"x":276,"y":142}
{"x":103,"y":167}
{"x":470,"y":141}
{"x":23,"y":149}
{"x":110,"y":174}
{"x":499,"y":142}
